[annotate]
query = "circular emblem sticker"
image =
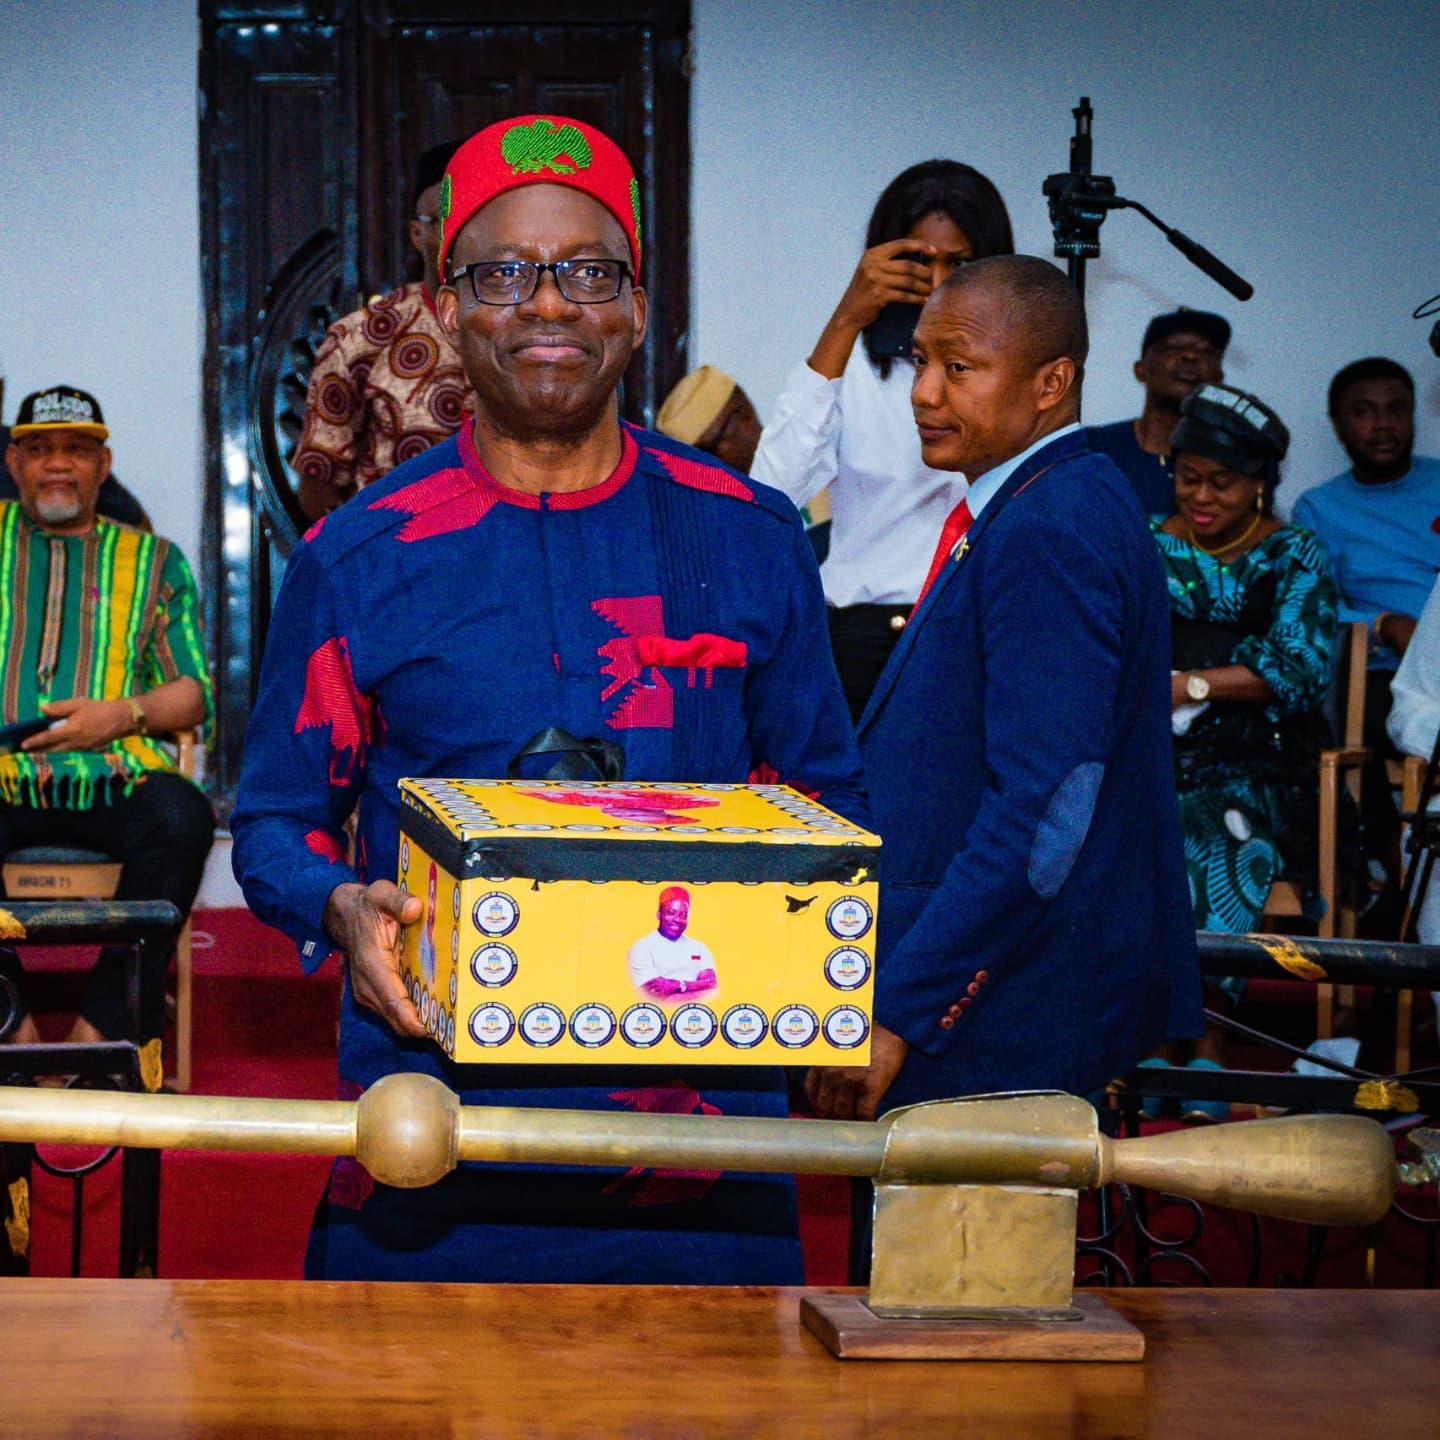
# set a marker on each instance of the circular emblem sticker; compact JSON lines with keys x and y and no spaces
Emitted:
{"x":846,"y":1027}
{"x":404,"y":855}
{"x":454,"y":986}
{"x":847,"y":968}
{"x":848,"y":918}
{"x":498,"y":914}
{"x":491,"y":1024}
{"x":593,"y":1026}
{"x":454,"y":947}
{"x":455,"y":902}
{"x":743,"y":1026}
{"x":694,"y":1026}
{"x":542,"y":1025}
{"x":796,"y":1026}
{"x":450,"y":1036}
{"x":494,"y":965}
{"x":642,"y":1026}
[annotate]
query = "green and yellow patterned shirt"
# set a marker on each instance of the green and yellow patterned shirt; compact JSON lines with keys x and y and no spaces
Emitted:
{"x":98,"y":616}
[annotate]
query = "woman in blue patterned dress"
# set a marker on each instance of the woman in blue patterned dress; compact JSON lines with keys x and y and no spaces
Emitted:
{"x":1252,"y":628}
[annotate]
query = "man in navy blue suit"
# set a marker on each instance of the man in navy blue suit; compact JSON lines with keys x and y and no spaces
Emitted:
{"x":1035,"y":925}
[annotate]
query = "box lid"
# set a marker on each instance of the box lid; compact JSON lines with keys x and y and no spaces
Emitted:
{"x":623,"y":830}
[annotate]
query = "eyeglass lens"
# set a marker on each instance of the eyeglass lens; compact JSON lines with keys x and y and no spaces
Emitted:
{"x":581,"y":281}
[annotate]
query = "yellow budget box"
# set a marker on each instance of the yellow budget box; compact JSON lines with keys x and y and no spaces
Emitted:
{"x":615,"y":923}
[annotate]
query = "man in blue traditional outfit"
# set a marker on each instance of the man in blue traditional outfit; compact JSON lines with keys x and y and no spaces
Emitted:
{"x":1035,"y":925}
{"x":548,"y":568}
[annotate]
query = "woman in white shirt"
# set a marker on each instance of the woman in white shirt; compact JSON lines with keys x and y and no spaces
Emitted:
{"x":844,"y":418}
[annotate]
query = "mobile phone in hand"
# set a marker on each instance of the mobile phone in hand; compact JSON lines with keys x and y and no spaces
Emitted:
{"x":12,"y":736}
{"x":892,"y":330}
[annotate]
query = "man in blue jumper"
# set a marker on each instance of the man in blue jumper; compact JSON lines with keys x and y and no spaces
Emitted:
{"x":549,"y":567}
{"x":1379,"y":522}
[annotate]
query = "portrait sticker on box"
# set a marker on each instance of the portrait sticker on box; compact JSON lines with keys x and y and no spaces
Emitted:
{"x":575,"y":922}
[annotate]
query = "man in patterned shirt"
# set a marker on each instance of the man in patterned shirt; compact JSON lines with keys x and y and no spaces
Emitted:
{"x":99,"y":633}
{"x":387,"y":383}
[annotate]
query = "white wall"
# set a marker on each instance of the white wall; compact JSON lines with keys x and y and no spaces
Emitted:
{"x":1299,"y":141}
{"x":99,"y":260}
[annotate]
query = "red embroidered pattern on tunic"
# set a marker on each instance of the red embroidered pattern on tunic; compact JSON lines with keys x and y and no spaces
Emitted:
{"x":331,"y":698}
{"x":643,"y":706}
{"x":710,"y":478}
{"x":438,"y":504}
{"x":700,"y":652}
{"x":322,"y":842}
{"x":665,"y":1187}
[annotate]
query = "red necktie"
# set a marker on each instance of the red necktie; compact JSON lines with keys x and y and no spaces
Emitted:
{"x":956,"y":524}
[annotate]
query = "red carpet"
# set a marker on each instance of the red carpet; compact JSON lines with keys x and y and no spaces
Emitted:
{"x":263,"y":1028}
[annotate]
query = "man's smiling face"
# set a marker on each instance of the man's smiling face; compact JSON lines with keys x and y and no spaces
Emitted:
{"x":546,"y":366}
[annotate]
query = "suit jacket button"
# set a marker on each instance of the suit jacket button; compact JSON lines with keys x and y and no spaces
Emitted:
{"x":965,"y":1004}
{"x":897,"y":623}
{"x":982,"y":976}
{"x":947,"y":1022}
{"x":954,"y":1009}
{"x":973,"y":988}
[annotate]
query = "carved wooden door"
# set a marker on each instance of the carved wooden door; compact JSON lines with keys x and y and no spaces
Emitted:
{"x":312,"y":118}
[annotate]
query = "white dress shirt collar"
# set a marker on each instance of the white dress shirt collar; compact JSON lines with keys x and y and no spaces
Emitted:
{"x":983,"y":490}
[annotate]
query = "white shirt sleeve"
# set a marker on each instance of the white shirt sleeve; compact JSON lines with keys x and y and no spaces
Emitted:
{"x":643,"y":965}
{"x":799,"y":449}
{"x":1415,"y":692}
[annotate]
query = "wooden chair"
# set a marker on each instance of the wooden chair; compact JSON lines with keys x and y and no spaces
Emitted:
{"x":1344,"y":764}
{"x":45,"y":872}
{"x":1407,"y":776}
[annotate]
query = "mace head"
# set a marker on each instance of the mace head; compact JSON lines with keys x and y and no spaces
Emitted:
{"x":407,"y":1129}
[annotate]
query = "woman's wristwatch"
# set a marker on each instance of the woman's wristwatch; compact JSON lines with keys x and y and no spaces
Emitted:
{"x":138,"y":721}
{"x":1197,"y":687}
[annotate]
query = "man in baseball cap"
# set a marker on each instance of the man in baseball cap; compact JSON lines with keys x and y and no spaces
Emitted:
{"x":548,"y":569}
{"x":63,"y":407}
{"x":100,"y":638}
{"x":1181,"y":349}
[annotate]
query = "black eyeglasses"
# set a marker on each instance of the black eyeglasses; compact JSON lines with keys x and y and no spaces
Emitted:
{"x":512,"y":282}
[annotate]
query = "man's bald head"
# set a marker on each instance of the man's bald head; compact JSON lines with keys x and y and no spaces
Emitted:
{"x":1043,"y":308}
{"x":999,"y":352}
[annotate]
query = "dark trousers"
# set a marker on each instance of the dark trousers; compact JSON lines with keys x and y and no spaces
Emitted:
{"x":161,"y":833}
{"x":861,"y":639}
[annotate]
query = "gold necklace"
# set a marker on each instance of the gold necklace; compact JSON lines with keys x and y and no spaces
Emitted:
{"x":1229,"y":545}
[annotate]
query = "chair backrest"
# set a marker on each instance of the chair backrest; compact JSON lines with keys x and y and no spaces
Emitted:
{"x":1345,"y":704}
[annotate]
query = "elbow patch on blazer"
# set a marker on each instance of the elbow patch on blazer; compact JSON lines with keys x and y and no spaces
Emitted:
{"x":1063,"y":828}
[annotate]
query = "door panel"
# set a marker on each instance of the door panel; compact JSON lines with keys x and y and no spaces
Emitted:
{"x":312,"y":117}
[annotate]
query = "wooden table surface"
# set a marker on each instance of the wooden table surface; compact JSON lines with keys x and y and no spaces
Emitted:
{"x":175,"y":1358}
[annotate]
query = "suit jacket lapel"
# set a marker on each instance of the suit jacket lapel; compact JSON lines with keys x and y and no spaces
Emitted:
{"x":1041,"y":460}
